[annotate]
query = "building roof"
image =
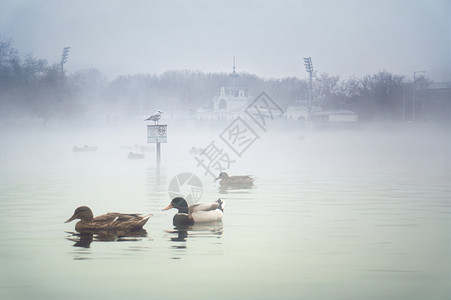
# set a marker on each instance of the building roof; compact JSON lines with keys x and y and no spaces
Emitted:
{"x":439,"y":85}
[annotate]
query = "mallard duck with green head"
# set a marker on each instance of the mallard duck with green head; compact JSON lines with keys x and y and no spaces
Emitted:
{"x":197,"y":213}
{"x":109,"y":221}
{"x":245,"y":181}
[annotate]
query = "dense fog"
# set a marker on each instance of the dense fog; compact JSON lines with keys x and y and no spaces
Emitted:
{"x":44,"y":92}
{"x":43,"y":103}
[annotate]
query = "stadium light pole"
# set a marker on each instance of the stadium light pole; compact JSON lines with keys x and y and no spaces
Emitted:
{"x":414,"y":108}
{"x":64,"y":58}
{"x":309,"y":69}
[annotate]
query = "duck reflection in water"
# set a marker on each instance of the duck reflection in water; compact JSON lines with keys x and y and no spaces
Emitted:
{"x":82,"y":240}
{"x":205,"y":230}
{"x":86,"y":237}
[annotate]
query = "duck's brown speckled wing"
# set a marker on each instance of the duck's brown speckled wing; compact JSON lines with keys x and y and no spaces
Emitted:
{"x":241,"y":179}
{"x":109,"y":217}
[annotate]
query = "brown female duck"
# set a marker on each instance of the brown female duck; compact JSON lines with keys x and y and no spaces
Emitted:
{"x":109,"y":221}
{"x":235,"y":181}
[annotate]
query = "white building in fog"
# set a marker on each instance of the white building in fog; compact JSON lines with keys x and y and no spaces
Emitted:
{"x":320,"y":117}
{"x":229,"y":103}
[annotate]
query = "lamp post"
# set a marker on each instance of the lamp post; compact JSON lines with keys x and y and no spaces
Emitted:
{"x":414,"y":94}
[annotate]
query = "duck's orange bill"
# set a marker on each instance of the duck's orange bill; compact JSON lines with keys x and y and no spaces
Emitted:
{"x":168,"y":207}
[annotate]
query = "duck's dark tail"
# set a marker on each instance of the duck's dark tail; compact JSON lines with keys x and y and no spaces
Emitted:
{"x":144,"y":220}
{"x":221,"y":204}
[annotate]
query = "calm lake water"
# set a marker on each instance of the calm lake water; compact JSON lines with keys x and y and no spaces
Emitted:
{"x":344,"y":214}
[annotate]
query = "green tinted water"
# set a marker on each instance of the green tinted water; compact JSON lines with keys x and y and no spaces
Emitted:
{"x":336,"y":215}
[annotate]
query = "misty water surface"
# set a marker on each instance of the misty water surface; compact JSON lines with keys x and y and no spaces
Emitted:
{"x":334,"y":214}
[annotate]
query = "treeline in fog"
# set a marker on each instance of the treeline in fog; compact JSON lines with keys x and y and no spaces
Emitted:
{"x":35,"y":88}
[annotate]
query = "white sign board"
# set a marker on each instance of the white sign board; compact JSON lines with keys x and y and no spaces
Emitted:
{"x":157,"y":133}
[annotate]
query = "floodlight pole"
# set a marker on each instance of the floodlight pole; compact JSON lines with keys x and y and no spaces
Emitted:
{"x":414,"y":109}
{"x":64,"y":58}
{"x":309,"y":68}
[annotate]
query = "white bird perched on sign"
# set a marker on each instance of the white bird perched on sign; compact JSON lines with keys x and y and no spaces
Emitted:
{"x":155,"y":117}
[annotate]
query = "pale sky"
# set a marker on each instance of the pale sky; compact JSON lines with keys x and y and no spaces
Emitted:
{"x":269,"y":38}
